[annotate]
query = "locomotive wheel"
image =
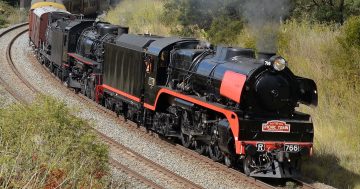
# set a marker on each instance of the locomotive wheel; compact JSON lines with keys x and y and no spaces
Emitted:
{"x":92,"y":94}
{"x":246,"y":165}
{"x":200,"y":147}
{"x":83,"y":90}
{"x":90,"y":91}
{"x":229,"y":160}
{"x":185,"y":140}
{"x":51,"y":67}
{"x":42,"y":59}
{"x":58,"y":73}
{"x":107,"y":104}
{"x":185,"y":123}
{"x":215,"y":153}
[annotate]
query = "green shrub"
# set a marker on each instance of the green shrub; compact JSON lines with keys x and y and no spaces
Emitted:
{"x":43,"y":146}
{"x":246,"y":39}
{"x":351,"y":33}
{"x":11,"y":15}
{"x":3,"y":21}
{"x":224,"y":30}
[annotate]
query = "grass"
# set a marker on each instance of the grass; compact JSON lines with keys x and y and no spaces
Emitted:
{"x":11,"y":15}
{"x":43,"y":146}
{"x":314,"y":51}
{"x":143,"y":16}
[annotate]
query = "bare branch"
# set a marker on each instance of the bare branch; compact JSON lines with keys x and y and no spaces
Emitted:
{"x":315,"y":3}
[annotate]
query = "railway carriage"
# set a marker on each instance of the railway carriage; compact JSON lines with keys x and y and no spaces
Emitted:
{"x":39,"y":21}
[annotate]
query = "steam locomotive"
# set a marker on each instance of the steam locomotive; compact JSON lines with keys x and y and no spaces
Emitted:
{"x":229,"y":103}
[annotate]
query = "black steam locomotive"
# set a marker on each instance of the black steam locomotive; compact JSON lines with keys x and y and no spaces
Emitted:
{"x":229,"y":103}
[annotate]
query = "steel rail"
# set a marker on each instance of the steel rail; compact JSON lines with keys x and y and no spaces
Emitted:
{"x":6,"y":86}
{"x":20,"y":99}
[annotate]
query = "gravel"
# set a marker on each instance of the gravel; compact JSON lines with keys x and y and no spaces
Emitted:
{"x":6,"y":72}
{"x":144,"y":169}
{"x":5,"y":98}
{"x":122,"y":180}
{"x":194,"y":170}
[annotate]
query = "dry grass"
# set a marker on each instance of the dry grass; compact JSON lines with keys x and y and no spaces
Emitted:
{"x":43,"y":146}
{"x":10,"y":15}
{"x":142,"y":16}
{"x":314,"y":51}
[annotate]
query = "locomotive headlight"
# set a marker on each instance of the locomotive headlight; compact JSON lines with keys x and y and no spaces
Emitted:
{"x":279,"y":64}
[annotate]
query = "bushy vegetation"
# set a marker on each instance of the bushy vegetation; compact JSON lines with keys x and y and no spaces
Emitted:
{"x":144,"y":16}
{"x":12,"y":2}
{"x":333,"y":11}
{"x":318,"y":51}
{"x":10,"y":15}
{"x":43,"y":146}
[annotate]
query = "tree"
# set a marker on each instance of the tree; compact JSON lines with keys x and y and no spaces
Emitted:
{"x":185,"y":17}
{"x":12,"y":2}
{"x":326,"y":10}
{"x":224,"y":30}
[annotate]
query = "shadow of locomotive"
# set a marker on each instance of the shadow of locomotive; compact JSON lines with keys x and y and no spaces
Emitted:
{"x":326,"y":168}
{"x":323,"y":168}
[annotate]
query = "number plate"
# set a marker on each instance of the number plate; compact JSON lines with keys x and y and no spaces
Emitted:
{"x":291,"y":148}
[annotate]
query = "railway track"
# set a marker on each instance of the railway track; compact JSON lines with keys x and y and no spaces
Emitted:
{"x":303,"y":184}
{"x":121,"y":150}
{"x":126,"y":153}
{"x":8,"y":81}
{"x":179,"y":149}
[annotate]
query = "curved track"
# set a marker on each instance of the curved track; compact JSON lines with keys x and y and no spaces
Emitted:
{"x":10,"y":79}
{"x":17,"y":79}
{"x":178,"y":149}
{"x":120,"y":150}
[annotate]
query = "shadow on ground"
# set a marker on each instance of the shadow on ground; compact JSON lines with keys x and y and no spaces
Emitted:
{"x":327,"y":169}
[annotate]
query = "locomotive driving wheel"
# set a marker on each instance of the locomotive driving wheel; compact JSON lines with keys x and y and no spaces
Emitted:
{"x":186,"y":140}
{"x":89,"y":89}
{"x":215,"y":153}
{"x":185,"y":124}
{"x":200,"y":147}
{"x":247,"y":165}
{"x":229,"y":160}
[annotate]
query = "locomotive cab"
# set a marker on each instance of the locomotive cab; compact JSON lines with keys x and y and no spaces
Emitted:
{"x":159,"y":53}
